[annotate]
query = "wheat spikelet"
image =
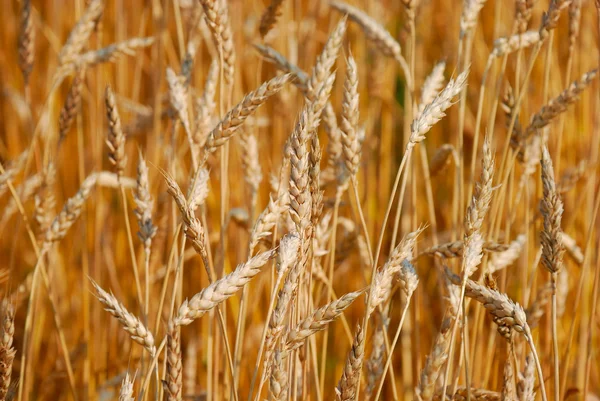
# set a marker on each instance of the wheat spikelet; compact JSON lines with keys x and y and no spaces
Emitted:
{"x":375,"y":362}
{"x":7,"y":352}
{"x":507,"y":314}
{"x":300,"y":200}
{"x":205,"y":106}
{"x":562,"y":291}
{"x":221,"y":289}
{"x":284,"y":300}
{"x":455,"y":249}
{"x":266,"y":221}
{"x":381,"y":284}
{"x":11,"y":171}
{"x":440,"y":159}
{"x":325,"y":60}
{"x":71,"y":106}
{"x":508,"y":389}
{"x":439,"y":352}
{"x":178,"y":97}
{"x":270,"y":16}
{"x":559,"y":104}
{"x":572,"y":176}
{"x":198,"y":191}
{"x":283,"y":64}
{"x":551,"y":208}
{"x":377,"y":34}
{"x":236,"y":116}
{"x":131,"y":324}
{"x":107,"y":54}
{"x":434,"y":111}
{"x":473,"y":253}
{"x":217,"y":18}
{"x":574,"y":21}
{"x":278,"y":384}
{"x":26,"y":41}
{"x":526,"y":382}
{"x":173,"y":383}
{"x":349,"y":123}
{"x":482,"y":195}
{"x":45,"y":201}
{"x":550,"y":17}
{"x":116,"y":137}
{"x":69,"y":213}
{"x":523,"y":11}
{"x":145,"y":203}
{"x":126,"y":391}
{"x":318,"y":320}
{"x":432,"y":86}
{"x":475,"y":394}
{"x":193,"y":229}
{"x":81,"y":32}
{"x":468,"y":18}
{"x":500,"y":260}
{"x":507,"y":45}
{"x":250,"y":160}
{"x":288,"y":252}
{"x":348,"y":385}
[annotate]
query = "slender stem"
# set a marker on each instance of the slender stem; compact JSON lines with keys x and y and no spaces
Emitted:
{"x":592,"y":327}
{"x":391,"y":351}
{"x":555,"y":340}
{"x":363,"y":222}
{"x":264,"y":336}
{"x":136,"y":274}
{"x":332,"y":245}
{"x":537,"y":364}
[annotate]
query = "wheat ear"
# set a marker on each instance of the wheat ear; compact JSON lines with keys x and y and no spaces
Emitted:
{"x":131,"y":324}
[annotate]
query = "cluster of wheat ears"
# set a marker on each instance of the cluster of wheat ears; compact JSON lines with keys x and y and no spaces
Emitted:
{"x":340,"y":218}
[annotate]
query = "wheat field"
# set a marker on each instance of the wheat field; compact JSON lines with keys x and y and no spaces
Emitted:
{"x":299,"y":200}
